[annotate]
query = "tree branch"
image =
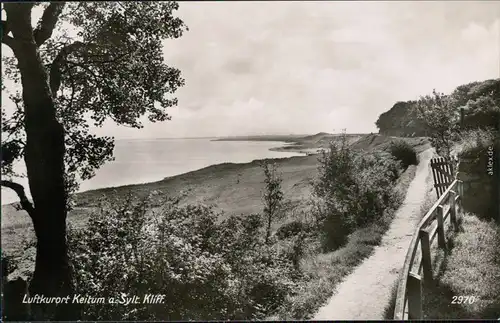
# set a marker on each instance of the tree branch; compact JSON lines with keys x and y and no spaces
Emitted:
{"x":92,"y":73}
{"x":48,"y":22}
{"x":61,"y":59}
{"x":19,"y":189}
{"x":55,"y":68}
{"x":18,"y":19}
{"x":6,"y":39}
{"x":106,"y":61}
{"x":73,"y":89}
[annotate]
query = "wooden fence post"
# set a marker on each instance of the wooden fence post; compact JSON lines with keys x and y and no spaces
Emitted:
{"x":425,"y":246}
{"x":453,"y":211}
{"x":414,"y":286}
{"x":440,"y":227}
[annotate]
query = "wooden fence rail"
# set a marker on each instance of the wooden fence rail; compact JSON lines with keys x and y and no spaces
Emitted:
{"x":417,"y":268}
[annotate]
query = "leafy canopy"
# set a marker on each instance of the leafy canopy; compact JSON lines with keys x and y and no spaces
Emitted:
{"x":440,"y":115}
{"x":105,"y":62}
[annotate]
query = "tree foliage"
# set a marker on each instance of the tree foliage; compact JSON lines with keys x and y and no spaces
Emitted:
{"x":479,"y":100}
{"x":401,"y":121}
{"x":105,"y":63}
{"x":208,"y":269}
{"x":442,"y":118}
{"x":82,"y":63}
{"x":481,"y":104}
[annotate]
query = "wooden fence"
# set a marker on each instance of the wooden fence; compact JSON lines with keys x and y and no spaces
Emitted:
{"x":417,"y":269}
{"x":443,"y":173}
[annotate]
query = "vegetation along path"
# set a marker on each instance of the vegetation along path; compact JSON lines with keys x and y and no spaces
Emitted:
{"x":364,"y":294}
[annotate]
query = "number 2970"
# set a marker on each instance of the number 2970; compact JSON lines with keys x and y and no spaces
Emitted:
{"x":463,"y":299}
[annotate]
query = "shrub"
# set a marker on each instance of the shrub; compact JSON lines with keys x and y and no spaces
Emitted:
{"x":333,"y":189}
{"x":290,"y":229}
{"x":352,"y":191}
{"x":335,"y":228}
{"x":404,"y":152}
{"x":335,"y":170}
{"x":208,"y":269}
{"x":375,"y":177}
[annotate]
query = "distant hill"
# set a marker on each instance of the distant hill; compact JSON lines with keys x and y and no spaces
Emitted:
{"x":373,"y":142}
{"x":297,"y":143}
{"x":317,"y":136}
{"x":284,"y":138}
{"x":312,"y":143}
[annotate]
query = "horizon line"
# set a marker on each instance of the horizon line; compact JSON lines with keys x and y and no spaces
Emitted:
{"x":247,"y":135}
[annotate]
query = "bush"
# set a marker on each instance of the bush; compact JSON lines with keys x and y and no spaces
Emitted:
{"x":335,"y":229}
{"x":404,"y":152}
{"x":333,"y":189}
{"x":352,"y":191}
{"x":290,"y":229}
{"x":375,"y":177}
{"x":208,"y":269}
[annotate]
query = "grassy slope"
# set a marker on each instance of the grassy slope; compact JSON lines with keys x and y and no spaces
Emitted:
{"x":214,"y":184}
{"x":472,"y":268}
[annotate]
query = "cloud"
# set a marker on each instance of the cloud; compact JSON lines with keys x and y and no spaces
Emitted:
{"x":266,"y":67}
{"x":305,"y":62}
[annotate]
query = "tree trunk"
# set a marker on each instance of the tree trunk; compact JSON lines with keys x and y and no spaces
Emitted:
{"x":268,"y":228}
{"x":44,"y":157}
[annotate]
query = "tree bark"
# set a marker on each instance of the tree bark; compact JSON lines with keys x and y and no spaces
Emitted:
{"x":44,"y":158}
{"x":24,"y":201}
{"x":268,"y":228}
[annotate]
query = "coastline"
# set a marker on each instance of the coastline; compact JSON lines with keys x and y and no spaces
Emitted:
{"x":214,"y":184}
{"x":234,"y":188}
{"x":109,"y":177}
{"x":307,"y":146}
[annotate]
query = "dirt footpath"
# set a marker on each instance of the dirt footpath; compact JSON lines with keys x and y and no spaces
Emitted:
{"x":365,"y":293}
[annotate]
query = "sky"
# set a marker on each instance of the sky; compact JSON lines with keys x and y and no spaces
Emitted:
{"x":305,"y":67}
